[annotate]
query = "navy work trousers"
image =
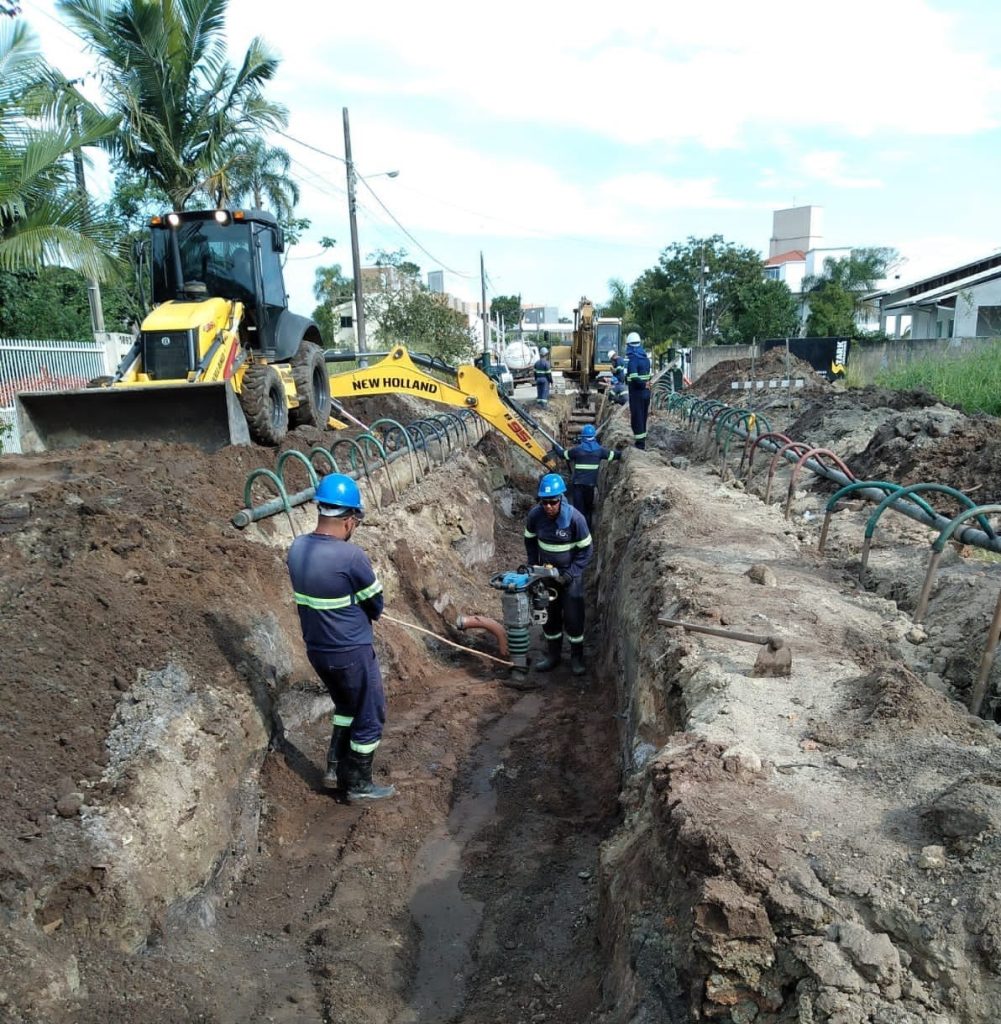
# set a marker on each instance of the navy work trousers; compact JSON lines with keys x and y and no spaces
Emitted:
{"x":583,"y":501}
{"x":639,"y":409}
{"x":354,"y":682}
{"x":566,"y":613}
{"x":542,"y":389}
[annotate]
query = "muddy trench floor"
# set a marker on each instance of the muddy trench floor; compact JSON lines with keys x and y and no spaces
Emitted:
{"x":491,"y":848}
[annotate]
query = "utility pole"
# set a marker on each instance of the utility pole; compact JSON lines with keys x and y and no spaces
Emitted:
{"x":93,"y":285}
{"x":355,"y":257}
{"x":486,"y":318}
{"x":702,"y":289}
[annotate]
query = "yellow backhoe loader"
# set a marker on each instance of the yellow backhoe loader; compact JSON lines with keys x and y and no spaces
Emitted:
{"x":219,"y":360}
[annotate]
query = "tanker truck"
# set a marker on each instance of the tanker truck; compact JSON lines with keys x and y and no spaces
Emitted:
{"x":520,"y":357}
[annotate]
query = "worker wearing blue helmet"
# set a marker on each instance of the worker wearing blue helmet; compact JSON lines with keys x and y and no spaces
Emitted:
{"x":338,"y":597}
{"x":557,"y":534}
{"x":638,"y":375}
{"x":585,"y":459}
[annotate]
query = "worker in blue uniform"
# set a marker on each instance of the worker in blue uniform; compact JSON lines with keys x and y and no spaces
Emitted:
{"x":543,"y":377}
{"x":338,"y":597}
{"x":556,"y":534}
{"x":585,"y":459}
{"x":638,"y":375}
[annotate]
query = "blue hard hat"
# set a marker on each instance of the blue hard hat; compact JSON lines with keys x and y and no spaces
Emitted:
{"x":588,"y":432}
{"x":552,"y":485}
{"x":337,"y":495}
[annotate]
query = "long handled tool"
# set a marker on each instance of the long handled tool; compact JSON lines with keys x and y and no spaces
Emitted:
{"x":774,"y":659}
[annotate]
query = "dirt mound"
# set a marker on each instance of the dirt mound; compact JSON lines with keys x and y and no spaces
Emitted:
{"x":773,"y":365}
{"x":937,"y":445}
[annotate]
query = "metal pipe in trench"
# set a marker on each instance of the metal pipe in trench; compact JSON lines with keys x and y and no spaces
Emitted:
{"x":246,"y":516}
{"x":967,"y":535}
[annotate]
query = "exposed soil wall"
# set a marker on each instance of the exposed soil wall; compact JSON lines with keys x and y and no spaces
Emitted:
{"x":817,"y":848}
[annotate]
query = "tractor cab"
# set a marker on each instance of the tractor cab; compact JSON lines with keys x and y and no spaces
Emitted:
{"x":222,"y":254}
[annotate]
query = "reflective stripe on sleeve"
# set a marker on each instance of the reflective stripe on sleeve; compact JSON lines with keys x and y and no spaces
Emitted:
{"x":364,"y":595}
{"x":323,"y":604}
{"x":584,"y":542}
{"x":530,"y":535}
{"x":611,"y":456}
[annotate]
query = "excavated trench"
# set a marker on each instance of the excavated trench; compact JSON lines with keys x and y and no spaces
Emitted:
{"x":672,"y":839}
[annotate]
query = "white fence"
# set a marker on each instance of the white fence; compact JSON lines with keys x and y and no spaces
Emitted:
{"x":27,"y":365}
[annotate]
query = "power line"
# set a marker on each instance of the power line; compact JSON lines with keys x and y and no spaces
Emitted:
{"x":389,"y":213}
{"x":392,"y":217}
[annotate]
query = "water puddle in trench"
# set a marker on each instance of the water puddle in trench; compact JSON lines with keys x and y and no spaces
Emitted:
{"x":449,"y":920}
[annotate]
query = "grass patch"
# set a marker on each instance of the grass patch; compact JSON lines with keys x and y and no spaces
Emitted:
{"x":972,"y":382}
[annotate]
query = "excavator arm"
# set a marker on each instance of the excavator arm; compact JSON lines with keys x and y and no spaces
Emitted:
{"x":397,"y":374}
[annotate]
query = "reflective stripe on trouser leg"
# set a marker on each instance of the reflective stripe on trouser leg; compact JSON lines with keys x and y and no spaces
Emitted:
{"x":553,"y":627}
{"x":639,"y":409}
{"x":573,"y":617}
{"x":354,"y":682}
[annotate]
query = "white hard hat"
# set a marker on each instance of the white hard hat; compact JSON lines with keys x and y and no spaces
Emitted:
{"x":611,"y":354}
{"x":543,"y":351}
{"x":632,"y":338}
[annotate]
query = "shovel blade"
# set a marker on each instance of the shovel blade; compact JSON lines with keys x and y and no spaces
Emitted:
{"x":774,"y":663}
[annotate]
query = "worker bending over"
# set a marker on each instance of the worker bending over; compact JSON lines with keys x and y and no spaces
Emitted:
{"x":339,"y":597}
{"x":585,"y":460}
{"x":556,"y":534}
{"x":638,"y":378}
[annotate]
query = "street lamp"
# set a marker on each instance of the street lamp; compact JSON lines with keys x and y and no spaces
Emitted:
{"x":353,"y":220}
{"x":702,"y":290}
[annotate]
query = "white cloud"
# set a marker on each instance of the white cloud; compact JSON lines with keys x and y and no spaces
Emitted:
{"x":828,"y":166}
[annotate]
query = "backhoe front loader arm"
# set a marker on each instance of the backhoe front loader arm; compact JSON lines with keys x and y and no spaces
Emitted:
{"x":397,"y":374}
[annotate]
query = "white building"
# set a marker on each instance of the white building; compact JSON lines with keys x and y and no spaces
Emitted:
{"x":796,"y":252}
{"x":962,"y":302}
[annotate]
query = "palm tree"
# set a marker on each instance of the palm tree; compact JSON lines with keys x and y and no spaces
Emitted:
{"x":164,"y":70}
{"x":258,"y":174}
{"x":44,"y":218}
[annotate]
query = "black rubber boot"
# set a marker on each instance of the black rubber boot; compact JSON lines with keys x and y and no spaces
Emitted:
{"x":336,"y":753}
{"x":577,"y":666}
{"x":552,"y":658}
{"x":359,"y":779}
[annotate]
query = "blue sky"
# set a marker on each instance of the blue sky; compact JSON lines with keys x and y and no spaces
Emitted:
{"x":572,"y":142}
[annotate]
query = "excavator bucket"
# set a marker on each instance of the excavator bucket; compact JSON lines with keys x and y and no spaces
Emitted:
{"x":206,"y":415}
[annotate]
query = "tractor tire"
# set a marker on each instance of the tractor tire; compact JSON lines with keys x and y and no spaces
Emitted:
{"x":312,"y":383}
{"x":262,"y":397}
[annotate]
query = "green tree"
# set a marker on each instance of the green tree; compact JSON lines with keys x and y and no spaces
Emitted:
{"x":52,"y":303}
{"x":767,"y":309}
{"x":330,"y":289}
{"x":254,"y":174}
{"x":408,"y":313}
{"x":617,"y":303}
{"x":508,"y":307}
{"x":836,"y":297}
{"x":45,"y":219}
{"x":164,"y":71}
{"x":665,"y":300}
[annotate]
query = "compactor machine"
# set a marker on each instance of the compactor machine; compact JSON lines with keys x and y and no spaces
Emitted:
{"x":219,"y":360}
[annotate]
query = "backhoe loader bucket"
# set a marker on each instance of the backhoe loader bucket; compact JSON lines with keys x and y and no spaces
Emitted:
{"x":206,"y":415}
